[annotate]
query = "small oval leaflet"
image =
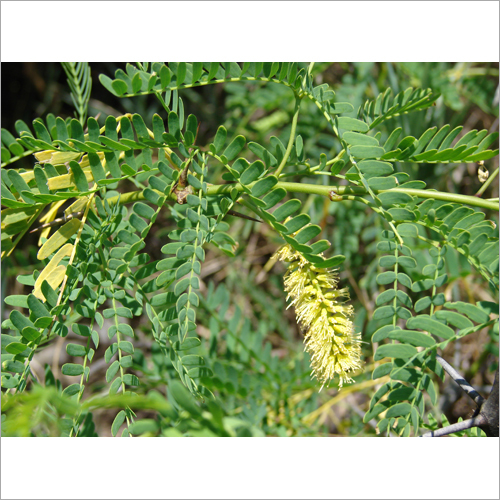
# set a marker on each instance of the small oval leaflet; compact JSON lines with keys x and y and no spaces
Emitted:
{"x":430,"y":325}
{"x":401,"y":351}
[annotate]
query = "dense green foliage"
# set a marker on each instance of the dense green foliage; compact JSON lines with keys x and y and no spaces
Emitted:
{"x":160,"y":306}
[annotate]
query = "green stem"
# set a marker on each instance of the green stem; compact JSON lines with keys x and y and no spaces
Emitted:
{"x":371,"y":193}
{"x":84,"y":377}
{"x":434,"y":287}
{"x":292,"y":138}
{"x":451,"y":197}
{"x":395,"y":300}
{"x":118,"y":340}
{"x":489,"y":180}
{"x":29,"y":152}
{"x":162,"y":101}
{"x":296,"y":187}
{"x":214,"y":82}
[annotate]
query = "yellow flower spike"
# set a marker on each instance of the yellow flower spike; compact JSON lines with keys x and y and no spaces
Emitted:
{"x":329,"y":336}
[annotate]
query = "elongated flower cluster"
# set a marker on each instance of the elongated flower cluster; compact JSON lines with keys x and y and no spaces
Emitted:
{"x":323,"y":318}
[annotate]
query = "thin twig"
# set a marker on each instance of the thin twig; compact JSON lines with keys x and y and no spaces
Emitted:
{"x":462,"y":383}
{"x":60,"y":220}
{"x":459,"y":426}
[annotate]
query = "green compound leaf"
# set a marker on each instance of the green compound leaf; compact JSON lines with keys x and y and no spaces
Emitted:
{"x":401,"y":351}
{"x":386,"y":278}
{"x":220,"y":139}
{"x":287,"y":209}
{"x":76,"y":350}
{"x":454,"y":319}
{"x":383,"y":332}
{"x":401,"y":214}
{"x":386,"y":296}
{"x":252,"y":173}
{"x":366,"y":152}
{"x":398,"y":410}
{"x":307,"y":234}
{"x":183,"y":398}
{"x":111,"y":277}
{"x":375,"y":168}
{"x":18,"y":348}
{"x":112,"y":371}
{"x":418,"y":339}
{"x":382,"y":370}
{"x":72,"y":369}
{"x":396,"y":198}
{"x":117,"y":422}
{"x":473,"y":312}
{"x":234,"y":148}
{"x":356,"y":139}
{"x":431,"y":325}
{"x":429,"y":386}
{"x":263,"y":186}
{"x":144,"y":426}
{"x":385,"y":106}
{"x":72,"y":389}
{"x":352,"y":124}
{"x":130,"y":379}
{"x":189,"y":343}
{"x":12,"y":366}
{"x":118,"y":87}
{"x":297,"y":223}
{"x":402,"y":394}
{"x":144,"y":210}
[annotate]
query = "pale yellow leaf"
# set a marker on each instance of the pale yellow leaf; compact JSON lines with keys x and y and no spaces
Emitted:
{"x":67,"y":180}
{"x":78,"y":206}
{"x":61,"y":236}
{"x":84,"y":163}
{"x":44,"y":156}
{"x":28,"y":176}
{"x":54,"y":279}
{"x":13,"y":215}
{"x":55,"y":157}
{"x":64,"y":251}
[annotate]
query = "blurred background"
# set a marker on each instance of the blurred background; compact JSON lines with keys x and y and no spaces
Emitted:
{"x":244,"y":298}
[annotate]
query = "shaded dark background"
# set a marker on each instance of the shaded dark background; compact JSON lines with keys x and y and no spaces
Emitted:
{"x":31,"y":90}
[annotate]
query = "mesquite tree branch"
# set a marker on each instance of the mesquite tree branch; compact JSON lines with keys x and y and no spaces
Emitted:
{"x":486,"y":415}
{"x":462,"y":383}
{"x":489,"y":410}
{"x":459,"y":426}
